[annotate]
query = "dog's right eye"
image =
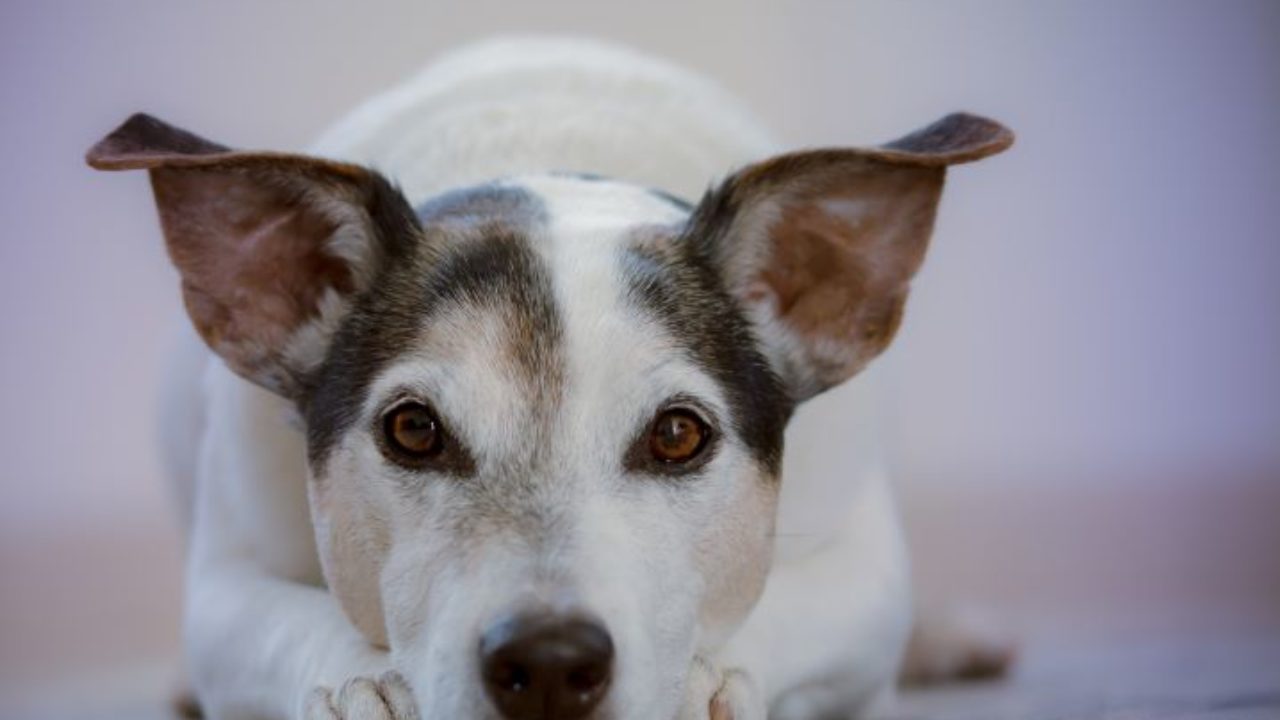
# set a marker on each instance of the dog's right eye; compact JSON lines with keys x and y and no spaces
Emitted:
{"x":677,"y":436}
{"x":412,"y":431}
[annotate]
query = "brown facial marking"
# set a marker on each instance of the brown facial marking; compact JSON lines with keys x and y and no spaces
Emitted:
{"x":679,"y":288}
{"x":353,"y":540}
{"x":490,"y":231}
{"x":458,"y":262}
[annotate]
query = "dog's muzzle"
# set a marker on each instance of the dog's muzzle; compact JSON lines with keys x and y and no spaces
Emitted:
{"x":546,"y":667}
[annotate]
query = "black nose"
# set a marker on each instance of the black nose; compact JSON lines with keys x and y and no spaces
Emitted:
{"x":544,"y":667}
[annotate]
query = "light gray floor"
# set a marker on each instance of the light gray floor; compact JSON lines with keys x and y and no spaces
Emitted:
{"x":1236,"y":678}
{"x":1126,"y":621}
{"x":1219,"y":678}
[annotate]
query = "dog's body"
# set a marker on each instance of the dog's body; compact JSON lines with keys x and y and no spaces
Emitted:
{"x":536,"y":318}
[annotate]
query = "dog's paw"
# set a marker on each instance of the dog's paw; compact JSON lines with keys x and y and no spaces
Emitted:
{"x":715,"y":694}
{"x":384,"y":698}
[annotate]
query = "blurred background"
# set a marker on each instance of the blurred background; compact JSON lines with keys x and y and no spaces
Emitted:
{"x":1085,"y":399}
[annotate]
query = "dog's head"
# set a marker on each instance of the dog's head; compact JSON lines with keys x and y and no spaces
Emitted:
{"x":545,"y":416}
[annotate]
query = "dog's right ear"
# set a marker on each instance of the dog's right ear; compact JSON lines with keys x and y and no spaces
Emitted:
{"x":820,"y":246}
{"x":271,"y":247}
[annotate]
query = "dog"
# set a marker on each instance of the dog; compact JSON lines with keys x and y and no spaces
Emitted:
{"x":503,"y":439}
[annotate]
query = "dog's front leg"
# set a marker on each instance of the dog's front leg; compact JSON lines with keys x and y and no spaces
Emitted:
{"x":264,"y":648}
{"x":828,"y":633}
{"x":263,"y":640}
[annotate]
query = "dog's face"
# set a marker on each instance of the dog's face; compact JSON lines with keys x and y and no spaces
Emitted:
{"x":545,"y":415}
{"x":545,"y":409}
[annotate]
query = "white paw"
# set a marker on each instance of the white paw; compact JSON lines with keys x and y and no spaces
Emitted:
{"x":716,"y":694}
{"x":383,"y":698}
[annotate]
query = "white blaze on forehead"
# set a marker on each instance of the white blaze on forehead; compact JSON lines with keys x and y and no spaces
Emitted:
{"x":619,"y":363}
{"x":631,"y":560}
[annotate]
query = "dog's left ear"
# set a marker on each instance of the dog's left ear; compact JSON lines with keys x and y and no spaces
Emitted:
{"x":820,"y":246}
{"x":272,"y":247}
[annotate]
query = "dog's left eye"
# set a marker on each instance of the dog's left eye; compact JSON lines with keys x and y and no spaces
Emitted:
{"x":412,"y":431}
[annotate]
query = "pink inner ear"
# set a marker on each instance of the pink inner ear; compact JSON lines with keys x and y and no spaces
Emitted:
{"x":252,"y":257}
{"x":840,"y":262}
{"x":819,"y":283}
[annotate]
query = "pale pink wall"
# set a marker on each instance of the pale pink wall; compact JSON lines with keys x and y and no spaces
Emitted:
{"x":1104,"y":299}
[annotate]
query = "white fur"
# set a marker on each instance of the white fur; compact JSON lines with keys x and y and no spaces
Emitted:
{"x":593,"y":107}
{"x":262,"y":633}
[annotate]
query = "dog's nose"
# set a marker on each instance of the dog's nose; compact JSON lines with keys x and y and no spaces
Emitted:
{"x":543,"y":667}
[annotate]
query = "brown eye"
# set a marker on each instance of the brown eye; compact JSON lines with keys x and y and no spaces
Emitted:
{"x":413,"y":431}
{"x":677,"y":436}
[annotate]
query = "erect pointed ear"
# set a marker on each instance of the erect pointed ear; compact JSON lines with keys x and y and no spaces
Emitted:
{"x":820,"y":246}
{"x":271,"y":247}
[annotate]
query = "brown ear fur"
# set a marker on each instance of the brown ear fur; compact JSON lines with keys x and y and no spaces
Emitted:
{"x":261,"y":239}
{"x":820,"y":246}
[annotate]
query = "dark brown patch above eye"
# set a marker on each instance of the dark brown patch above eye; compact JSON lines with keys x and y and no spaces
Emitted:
{"x":677,"y":436}
{"x":680,"y":290}
{"x":412,"y":430}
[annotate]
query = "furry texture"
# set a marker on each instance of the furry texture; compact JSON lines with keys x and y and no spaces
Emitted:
{"x":547,"y":316}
